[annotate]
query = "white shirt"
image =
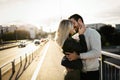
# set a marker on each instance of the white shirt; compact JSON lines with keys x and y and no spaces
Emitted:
{"x":90,"y":58}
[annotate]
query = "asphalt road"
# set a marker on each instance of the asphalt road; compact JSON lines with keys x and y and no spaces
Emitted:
{"x":47,"y":65}
{"x":10,"y":54}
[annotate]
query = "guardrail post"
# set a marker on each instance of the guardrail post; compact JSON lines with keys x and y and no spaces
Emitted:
{"x":25,"y":61}
{"x":32,"y":56}
{"x":26,"y":58}
{"x":21,"y":60}
{"x":13,"y":66}
{"x":0,"y":74}
{"x":102,"y":67}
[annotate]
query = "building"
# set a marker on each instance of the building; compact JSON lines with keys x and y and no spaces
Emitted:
{"x":95,"y":26}
{"x":11,"y":28}
{"x":32,"y":29}
{"x":117,"y":26}
{"x":5,"y":29}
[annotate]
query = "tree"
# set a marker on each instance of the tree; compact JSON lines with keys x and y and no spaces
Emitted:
{"x":107,"y":30}
{"x":109,"y":35}
{"x":8,"y":36}
{"x":22,"y":34}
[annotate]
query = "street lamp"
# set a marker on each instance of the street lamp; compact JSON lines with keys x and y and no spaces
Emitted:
{"x":1,"y":36}
{"x":16,"y":34}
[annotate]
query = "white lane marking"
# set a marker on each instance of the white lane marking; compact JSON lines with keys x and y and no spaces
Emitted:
{"x":40,"y":63}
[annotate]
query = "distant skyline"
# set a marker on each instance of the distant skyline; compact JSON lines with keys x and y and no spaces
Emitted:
{"x":48,"y":13}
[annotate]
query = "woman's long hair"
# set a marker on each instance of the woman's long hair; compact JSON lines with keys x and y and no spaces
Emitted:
{"x":63,"y":31}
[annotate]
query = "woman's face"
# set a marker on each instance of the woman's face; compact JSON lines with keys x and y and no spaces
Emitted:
{"x":72,"y":30}
{"x":71,"y":56}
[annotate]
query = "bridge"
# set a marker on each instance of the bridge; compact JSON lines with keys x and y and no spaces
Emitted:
{"x":44,"y":64}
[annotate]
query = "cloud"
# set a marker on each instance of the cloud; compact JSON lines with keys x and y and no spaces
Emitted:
{"x":48,"y":12}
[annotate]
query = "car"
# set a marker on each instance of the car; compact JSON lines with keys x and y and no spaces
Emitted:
{"x":36,"y":41}
{"x":22,"y":44}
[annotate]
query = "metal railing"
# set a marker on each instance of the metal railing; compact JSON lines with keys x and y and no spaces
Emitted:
{"x":110,"y":66}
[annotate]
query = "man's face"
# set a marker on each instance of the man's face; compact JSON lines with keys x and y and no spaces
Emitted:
{"x":75,"y":24}
{"x":71,"y":56}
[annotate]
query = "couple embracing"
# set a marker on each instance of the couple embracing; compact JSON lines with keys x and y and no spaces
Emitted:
{"x":82,"y":48}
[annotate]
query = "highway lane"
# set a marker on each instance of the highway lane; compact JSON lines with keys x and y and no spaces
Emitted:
{"x":12,"y":53}
{"x":47,"y":65}
{"x":51,"y":68}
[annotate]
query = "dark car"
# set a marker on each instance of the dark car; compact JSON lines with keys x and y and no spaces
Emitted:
{"x":36,"y":42}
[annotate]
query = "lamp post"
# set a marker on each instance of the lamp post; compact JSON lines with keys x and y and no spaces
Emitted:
{"x":1,"y":36}
{"x":16,"y":34}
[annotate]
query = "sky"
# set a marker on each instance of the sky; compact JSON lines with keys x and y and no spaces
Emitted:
{"x":49,"y":13}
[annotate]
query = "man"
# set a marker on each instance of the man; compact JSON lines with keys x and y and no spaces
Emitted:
{"x":90,"y":58}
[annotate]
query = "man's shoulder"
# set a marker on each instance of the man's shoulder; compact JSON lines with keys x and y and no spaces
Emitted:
{"x":91,"y":30}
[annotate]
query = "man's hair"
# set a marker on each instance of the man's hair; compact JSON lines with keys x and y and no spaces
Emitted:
{"x":71,"y":45}
{"x":76,"y":17}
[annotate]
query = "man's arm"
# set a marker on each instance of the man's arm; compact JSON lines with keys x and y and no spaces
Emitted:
{"x":95,"y":46}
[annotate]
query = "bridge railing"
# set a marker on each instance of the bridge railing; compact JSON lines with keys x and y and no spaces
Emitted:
{"x":110,"y":66}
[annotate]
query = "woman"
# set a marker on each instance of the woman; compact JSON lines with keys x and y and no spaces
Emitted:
{"x":64,"y":31}
{"x":70,"y":46}
{"x":71,"y":60}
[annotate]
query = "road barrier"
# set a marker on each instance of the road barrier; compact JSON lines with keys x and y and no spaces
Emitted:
{"x":17,"y":66}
